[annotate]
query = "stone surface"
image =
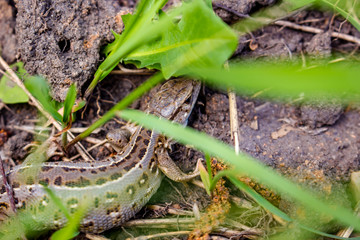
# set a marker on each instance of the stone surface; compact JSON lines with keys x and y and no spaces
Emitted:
{"x":232,"y":10}
{"x":320,"y":45}
{"x":7,"y":31}
{"x":61,"y":40}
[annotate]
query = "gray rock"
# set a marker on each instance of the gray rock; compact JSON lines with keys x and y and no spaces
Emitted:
{"x":7,"y":31}
{"x":61,"y":39}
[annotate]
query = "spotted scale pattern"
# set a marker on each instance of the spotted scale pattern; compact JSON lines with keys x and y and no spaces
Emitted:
{"x":113,"y":189}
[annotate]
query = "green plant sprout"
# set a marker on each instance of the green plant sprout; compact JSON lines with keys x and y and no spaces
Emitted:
{"x":206,"y":175}
{"x":39,"y":88}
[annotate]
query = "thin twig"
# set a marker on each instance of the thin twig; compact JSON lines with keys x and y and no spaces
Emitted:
{"x":81,"y":129}
{"x":153,"y":222}
{"x":177,"y":190}
{"x":89,"y":149}
{"x":8,"y":187}
{"x":28,"y":129}
{"x":241,"y":202}
{"x":170,"y":210}
{"x":126,"y":71}
{"x":3,"y":105}
{"x":93,"y":140}
{"x":234,"y":122}
{"x":349,"y":230}
{"x":342,"y":36}
{"x":95,"y":237}
{"x":241,"y":226}
{"x":11,"y":75}
{"x":120,"y":72}
{"x":229,"y":233}
{"x":166,"y":234}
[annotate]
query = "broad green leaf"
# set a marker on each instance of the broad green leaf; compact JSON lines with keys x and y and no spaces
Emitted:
{"x":208,"y":3}
{"x":69,"y":103}
{"x":9,"y":91}
{"x":243,"y":164}
{"x":39,"y":88}
{"x":200,"y":38}
{"x":139,"y":30}
{"x":142,"y":29}
{"x":110,"y":47}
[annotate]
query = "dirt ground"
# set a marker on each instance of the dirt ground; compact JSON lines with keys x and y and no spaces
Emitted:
{"x":316,"y":145}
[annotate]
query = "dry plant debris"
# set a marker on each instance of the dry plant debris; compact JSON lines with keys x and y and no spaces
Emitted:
{"x":216,"y":212}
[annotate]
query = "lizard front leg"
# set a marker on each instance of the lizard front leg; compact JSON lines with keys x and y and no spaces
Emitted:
{"x":171,"y":170}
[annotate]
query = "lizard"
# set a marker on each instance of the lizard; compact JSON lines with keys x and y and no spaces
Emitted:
{"x":113,"y":189}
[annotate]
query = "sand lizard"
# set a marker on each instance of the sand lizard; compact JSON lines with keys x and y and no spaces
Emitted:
{"x":114,"y":188}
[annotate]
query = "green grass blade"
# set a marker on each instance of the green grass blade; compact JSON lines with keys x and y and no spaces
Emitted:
{"x":208,"y":165}
{"x":281,"y":81}
{"x":243,"y":164}
{"x":258,"y":198}
{"x":57,"y":202}
{"x":71,"y":229}
{"x":69,"y":103}
{"x":267,"y":205}
{"x":286,"y":7}
{"x":334,"y":5}
{"x":13,"y":227}
{"x":140,"y":32}
{"x":205,"y":178}
{"x":325,"y":234}
{"x":39,"y":88}
{"x":270,"y":14}
{"x":299,"y":3}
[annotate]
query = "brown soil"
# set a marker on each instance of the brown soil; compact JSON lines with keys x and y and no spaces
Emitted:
{"x":312,"y":144}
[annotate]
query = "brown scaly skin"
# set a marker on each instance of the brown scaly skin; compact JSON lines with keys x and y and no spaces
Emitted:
{"x":113,"y":189}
